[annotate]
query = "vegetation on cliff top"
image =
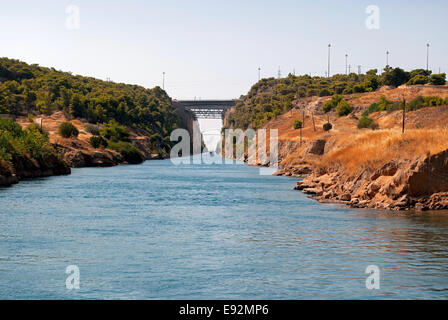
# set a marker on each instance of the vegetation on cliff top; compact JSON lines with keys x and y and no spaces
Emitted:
{"x":271,"y":97}
{"x":25,"y":149}
{"x":26,"y":89}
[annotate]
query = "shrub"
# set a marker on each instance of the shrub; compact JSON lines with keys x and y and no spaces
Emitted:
{"x":297,"y":124}
{"x":416,"y":104}
{"x":418,"y":79}
{"x":384,"y":104}
{"x":433,"y":101}
{"x":332,"y":103}
{"x":67,"y":130}
{"x":17,"y":145}
{"x":324,"y":93}
{"x":371,"y":109}
{"x":327,"y":106}
{"x":438,"y":79}
{"x":364,"y":122}
{"x":114,"y":132}
{"x":97,"y":141}
{"x":343,"y":108}
{"x":357,"y":88}
{"x":129,"y":152}
{"x":327,"y":126}
{"x":92,"y":129}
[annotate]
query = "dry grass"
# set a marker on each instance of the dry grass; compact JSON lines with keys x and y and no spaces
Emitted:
{"x":370,"y":149}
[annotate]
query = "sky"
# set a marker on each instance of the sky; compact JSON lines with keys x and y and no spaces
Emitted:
{"x":213,"y":49}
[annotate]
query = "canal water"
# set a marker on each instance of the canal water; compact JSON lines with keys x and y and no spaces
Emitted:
{"x":165,"y":231}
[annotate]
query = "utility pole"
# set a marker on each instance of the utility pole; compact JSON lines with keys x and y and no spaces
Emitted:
{"x":387,"y":58}
{"x":349,"y":68}
{"x":314,"y":123}
{"x":359,"y":69}
{"x":279,"y":72}
{"x":427,"y":56}
{"x":328,"y":74}
{"x":303,"y":118}
{"x":259,"y":73}
{"x":346,"y":56}
{"x":404,"y":114}
{"x":163,"y":81}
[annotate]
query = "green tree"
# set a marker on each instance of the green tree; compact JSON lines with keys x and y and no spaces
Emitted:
{"x":343,"y":108}
{"x":364,"y":122}
{"x":68,"y":130}
{"x":297,"y":124}
{"x":394,"y":77}
{"x":438,"y":79}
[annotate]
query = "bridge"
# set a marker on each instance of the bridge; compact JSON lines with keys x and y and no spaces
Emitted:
{"x":205,"y":109}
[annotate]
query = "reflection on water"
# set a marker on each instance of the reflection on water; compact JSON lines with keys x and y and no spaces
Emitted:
{"x":208,"y":231}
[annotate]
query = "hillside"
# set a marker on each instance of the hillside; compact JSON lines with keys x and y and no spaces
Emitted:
{"x":111,"y":122}
{"x":378,"y":166}
{"x":271,"y":97}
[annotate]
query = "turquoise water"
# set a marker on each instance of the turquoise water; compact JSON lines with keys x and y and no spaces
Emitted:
{"x":159,"y":231}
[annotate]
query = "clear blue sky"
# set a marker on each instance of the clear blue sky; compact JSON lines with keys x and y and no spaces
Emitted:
{"x":212,"y":49}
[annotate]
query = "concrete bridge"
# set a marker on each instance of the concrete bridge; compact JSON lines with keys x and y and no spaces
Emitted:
{"x":205,"y":109}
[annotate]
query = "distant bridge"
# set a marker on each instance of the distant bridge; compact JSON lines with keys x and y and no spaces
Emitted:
{"x":205,"y":109}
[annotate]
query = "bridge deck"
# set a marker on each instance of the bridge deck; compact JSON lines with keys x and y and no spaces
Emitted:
{"x":206,"y":109}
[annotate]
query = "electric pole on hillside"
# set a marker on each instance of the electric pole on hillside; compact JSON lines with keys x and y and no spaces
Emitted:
{"x":387,"y":58}
{"x":404,"y":112}
{"x":328,"y":74}
{"x":427,"y":56}
{"x":279,"y":72}
{"x":163,"y":81}
{"x":346,"y":56}
{"x":259,"y":73}
{"x":359,"y":70}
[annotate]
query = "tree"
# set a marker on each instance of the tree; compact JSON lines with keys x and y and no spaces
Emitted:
{"x":343,"y":108}
{"x":327,"y":126}
{"x":332,"y":103}
{"x":438,"y":79}
{"x":418,"y":79}
{"x":297,"y":124}
{"x":364,"y":122}
{"x":114,"y":132}
{"x":422,"y":72}
{"x":67,"y":130}
{"x":394,"y":77}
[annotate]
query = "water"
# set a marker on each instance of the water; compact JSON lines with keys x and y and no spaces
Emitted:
{"x":159,"y":231}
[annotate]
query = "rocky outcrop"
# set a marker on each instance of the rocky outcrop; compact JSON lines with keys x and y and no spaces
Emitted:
{"x":7,"y":180}
{"x":316,"y":147}
{"x":420,"y":184}
{"x":25,"y":168}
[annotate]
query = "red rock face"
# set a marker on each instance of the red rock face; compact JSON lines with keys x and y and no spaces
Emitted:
{"x":418,"y":184}
{"x":430,"y":176}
